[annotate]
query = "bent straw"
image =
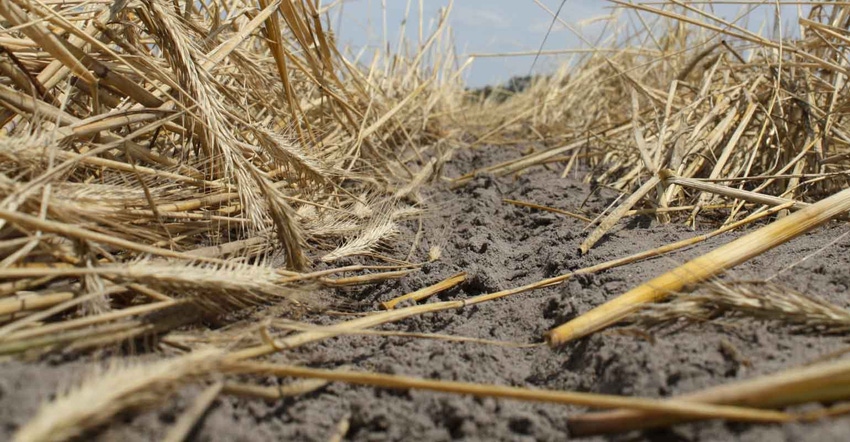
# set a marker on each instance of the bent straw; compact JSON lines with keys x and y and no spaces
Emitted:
{"x":425,"y":292}
{"x":548,"y":209}
{"x":609,"y":221}
{"x":823,"y":382}
{"x":273,"y":393}
{"x":669,"y":177}
{"x":182,"y":429}
{"x":676,"y":408}
{"x":702,"y":268}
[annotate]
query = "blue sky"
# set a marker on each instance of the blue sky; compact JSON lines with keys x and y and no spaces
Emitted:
{"x":492,"y":26}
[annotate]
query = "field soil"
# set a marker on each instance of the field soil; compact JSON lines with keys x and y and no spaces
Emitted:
{"x":502,"y":246}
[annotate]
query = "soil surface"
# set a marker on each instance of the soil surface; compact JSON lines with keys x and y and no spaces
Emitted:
{"x":502,"y":246}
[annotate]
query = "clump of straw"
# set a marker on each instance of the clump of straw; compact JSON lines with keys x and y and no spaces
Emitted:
{"x":202,"y":137}
{"x":120,"y":389}
{"x":759,"y":300}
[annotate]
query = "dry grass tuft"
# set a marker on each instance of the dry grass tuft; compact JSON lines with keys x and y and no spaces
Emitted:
{"x":117,"y":390}
{"x":210,"y":152}
{"x":759,"y":300}
{"x":686,"y":90}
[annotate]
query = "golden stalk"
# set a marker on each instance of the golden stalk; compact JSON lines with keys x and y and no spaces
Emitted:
{"x":426,"y":292}
{"x":189,"y":419}
{"x":753,"y":197}
{"x":33,"y":302}
{"x":95,"y":402}
{"x":822,"y":382}
{"x":673,"y":408}
{"x":612,"y":218}
{"x":548,"y":209}
{"x":273,"y":393}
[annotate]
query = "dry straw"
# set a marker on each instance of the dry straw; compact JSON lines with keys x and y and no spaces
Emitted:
{"x":156,"y":156}
{"x":702,"y":268}
{"x":102,"y":397}
{"x":822,"y":382}
{"x":674,"y":408}
{"x":760,"y":300}
{"x":208,"y":152}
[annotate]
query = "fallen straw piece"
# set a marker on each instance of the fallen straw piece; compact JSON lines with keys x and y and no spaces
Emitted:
{"x":670,"y":178}
{"x":182,"y":429}
{"x":702,"y":268}
{"x":275,"y":393}
{"x":59,"y":228}
{"x":426,"y":291}
{"x":120,"y":389}
{"x":674,"y":408}
{"x":826,"y":381}
{"x":609,"y":221}
{"x":548,"y":209}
